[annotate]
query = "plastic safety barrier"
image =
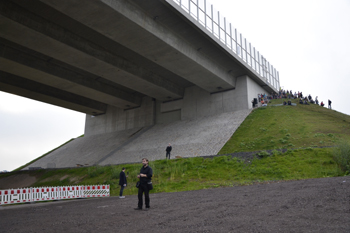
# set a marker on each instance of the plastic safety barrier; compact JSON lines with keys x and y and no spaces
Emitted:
{"x":25,"y":195}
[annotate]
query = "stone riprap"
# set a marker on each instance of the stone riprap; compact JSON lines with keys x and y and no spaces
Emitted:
{"x":189,"y":138}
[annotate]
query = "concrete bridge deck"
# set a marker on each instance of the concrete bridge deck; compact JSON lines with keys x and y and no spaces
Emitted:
{"x":88,"y":55}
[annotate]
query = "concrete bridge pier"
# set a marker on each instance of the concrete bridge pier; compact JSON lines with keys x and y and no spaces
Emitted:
{"x":196,"y":103}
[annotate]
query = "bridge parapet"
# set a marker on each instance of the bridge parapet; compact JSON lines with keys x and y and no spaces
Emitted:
{"x":203,"y":14}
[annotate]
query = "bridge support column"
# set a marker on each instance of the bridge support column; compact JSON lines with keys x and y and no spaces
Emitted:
{"x":197,"y":103}
{"x":117,"y":119}
{"x":200,"y":103}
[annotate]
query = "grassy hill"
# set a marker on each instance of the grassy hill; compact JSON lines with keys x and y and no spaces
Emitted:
{"x":309,"y":135}
{"x":298,"y":126}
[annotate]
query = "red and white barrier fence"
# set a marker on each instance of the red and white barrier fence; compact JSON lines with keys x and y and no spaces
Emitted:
{"x":22,"y":195}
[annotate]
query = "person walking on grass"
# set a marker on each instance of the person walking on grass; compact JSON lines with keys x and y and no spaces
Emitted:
{"x":145,"y":177}
{"x":122,"y":182}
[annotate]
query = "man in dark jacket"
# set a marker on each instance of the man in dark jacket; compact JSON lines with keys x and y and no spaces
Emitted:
{"x":122,"y":182}
{"x":168,"y":149}
{"x":145,"y":177}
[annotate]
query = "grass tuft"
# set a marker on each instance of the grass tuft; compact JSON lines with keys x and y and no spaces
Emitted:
{"x":341,"y":155}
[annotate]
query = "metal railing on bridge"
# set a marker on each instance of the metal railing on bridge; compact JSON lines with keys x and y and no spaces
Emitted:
{"x":214,"y":23}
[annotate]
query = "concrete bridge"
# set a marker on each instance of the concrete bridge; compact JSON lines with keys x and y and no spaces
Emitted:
{"x":129,"y":64}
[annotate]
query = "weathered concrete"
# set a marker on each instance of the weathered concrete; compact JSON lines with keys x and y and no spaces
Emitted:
{"x":190,"y":138}
{"x":117,"y":119}
{"x":130,"y":50}
{"x":85,"y":151}
{"x":196,"y":104}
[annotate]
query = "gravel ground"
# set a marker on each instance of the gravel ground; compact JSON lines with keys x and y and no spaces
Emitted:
{"x":314,"y":205}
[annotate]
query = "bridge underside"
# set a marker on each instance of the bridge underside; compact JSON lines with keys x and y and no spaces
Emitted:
{"x":90,"y":56}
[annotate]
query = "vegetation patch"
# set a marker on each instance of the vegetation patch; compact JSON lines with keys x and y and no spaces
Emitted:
{"x":281,"y":127}
{"x":341,"y":155}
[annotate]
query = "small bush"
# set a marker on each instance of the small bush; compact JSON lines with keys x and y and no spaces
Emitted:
{"x":263,"y":154}
{"x":276,"y":152}
{"x":283,"y":141}
{"x":341,"y":155}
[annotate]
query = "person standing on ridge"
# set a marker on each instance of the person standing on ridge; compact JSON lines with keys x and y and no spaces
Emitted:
{"x":168,"y":149}
{"x":145,"y":177}
{"x":329,"y":104}
{"x":122,"y":182}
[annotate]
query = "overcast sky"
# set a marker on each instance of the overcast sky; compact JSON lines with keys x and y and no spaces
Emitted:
{"x":307,"y":41}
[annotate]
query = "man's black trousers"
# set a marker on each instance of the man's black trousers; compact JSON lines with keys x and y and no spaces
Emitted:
{"x":143,"y":189}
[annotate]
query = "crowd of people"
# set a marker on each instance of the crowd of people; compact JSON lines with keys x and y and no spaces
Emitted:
{"x":288,"y":94}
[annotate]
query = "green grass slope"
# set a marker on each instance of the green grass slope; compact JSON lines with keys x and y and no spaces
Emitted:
{"x":309,"y":133}
{"x":300,"y":126}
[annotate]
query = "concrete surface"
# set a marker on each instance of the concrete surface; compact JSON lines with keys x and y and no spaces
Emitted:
{"x":196,"y":103}
{"x":189,"y":138}
{"x":53,"y":52}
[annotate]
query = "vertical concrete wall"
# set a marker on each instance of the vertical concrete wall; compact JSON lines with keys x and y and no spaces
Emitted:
{"x":200,"y":103}
{"x":254,"y":89}
{"x":197,"y":103}
{"x":168,"y":113}
{"x":117,"y":119}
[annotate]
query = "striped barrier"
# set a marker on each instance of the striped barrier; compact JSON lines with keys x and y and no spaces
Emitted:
{"x":25,"y":195}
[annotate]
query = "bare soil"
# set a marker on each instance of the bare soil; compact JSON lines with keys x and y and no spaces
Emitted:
{"x":17,"y":181}
{"x":314,"y":205}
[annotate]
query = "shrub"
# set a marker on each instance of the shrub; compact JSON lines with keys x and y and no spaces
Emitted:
{"x":263,"y":154}
{"x":341,"y":155}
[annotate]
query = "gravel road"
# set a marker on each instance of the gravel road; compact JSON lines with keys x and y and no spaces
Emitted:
{"x":314,"y":205}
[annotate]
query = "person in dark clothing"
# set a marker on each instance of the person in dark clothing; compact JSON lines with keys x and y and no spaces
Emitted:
{"x":122,"y":182}
{"x":329,"y":104}
{"x":168,"y":149}
{"x":145,"y":177}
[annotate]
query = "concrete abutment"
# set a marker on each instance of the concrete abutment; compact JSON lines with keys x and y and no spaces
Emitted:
{"x":196,"y":103}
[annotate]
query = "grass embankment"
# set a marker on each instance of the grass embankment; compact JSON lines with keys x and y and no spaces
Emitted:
{"x":298,"y":126}
{"x":300,"y":129}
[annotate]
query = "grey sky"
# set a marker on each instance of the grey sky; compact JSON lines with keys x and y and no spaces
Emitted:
{"x":305,"y":40}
